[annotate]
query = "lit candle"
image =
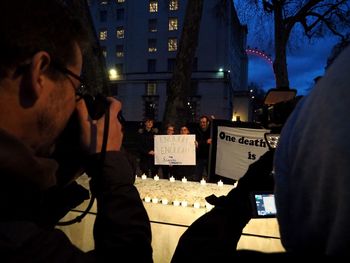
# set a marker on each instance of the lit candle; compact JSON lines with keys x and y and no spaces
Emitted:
{"x":208,"y":206}
{"x":196,"y":205}
{"x":172,"y":179}
{"x":184,"y":180}
{"x":176,"y":203}
{"x":220,"y":183}
{"x":155,"y":200}
{"x":184,"y":203}
{"x":164,"y":201}
{"x":203,"y":182}
{"x":147,"y":199}
{"x":156,"y":177}
{"x":144,"y":177}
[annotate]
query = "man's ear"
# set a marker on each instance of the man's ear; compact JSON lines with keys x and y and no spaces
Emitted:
{"x":35,"y":79}
{"x":40,"y":64}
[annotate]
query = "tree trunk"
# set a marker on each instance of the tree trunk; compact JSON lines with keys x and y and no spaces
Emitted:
{"x":176,"y":111}
{"x":281,"y":37}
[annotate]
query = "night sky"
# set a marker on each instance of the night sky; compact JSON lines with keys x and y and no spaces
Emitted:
{"x":304,"y":64}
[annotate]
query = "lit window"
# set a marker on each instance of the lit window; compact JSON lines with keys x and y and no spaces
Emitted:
{"x":152,"y":25}
{"x":103,"y":2}
{"x":151,"y":89}
{"x":153,"y":6}
{"x":120,"y":1}
{"x":172,"y":44}
{"x":103,"y":34}
{"x":173,"y":24}
{"x":173,"y":5}
{"x":120,"y":51}
{"x":120,"y":32}
{"x":152,"y":45}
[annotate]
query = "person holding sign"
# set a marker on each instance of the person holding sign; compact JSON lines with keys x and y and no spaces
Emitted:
{"x":187,"y":171}
{"x":167,"y":170}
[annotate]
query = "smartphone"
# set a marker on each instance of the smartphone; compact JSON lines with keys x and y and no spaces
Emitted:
{"x":263,"y":204}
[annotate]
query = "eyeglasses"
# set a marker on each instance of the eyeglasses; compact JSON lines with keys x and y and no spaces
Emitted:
{"x":81,"y":90}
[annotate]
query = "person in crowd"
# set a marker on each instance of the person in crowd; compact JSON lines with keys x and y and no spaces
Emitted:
{"x":41,"y":59}
{"x":168,"y":170}
{"x":311,"y":183}
{"x":187,"y":171}
{"x":146,"y":148}
{"x":203,"y":140}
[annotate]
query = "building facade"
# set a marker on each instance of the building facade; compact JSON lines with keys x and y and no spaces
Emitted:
{"x":140,"y":39}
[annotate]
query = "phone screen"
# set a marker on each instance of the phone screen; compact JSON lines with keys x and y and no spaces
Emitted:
{"x":263,"y":204}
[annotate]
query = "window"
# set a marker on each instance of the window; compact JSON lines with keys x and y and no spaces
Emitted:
{"x":152,"y":45}
{"x":172,"y":23}
{"x":103,"y":2}
{"x":172,"y":44}
{"x":173,"y":5}
{"x":151,"y":65}
{"x":153,"y":6}
{"x":103,"y":16}
{"x":151,"y":89}
{"x":171,"y":64}
{"x":119,"y":68}
{"x":103,"y":34}
{"x":120,"y":32}
{"x":120,"y":14}
{"x":120,"y":51}
{"x":152,"y":25}
{"x":120,"y":1}
{"x":104,"y":51}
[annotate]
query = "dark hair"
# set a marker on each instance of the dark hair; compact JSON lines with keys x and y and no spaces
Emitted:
{"x":30,"y":26}
{"x":205,"y":116}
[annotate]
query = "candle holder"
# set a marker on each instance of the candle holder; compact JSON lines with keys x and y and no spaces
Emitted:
{"x":203,"y":182}
{"x":156,"y":178}
{"x":147,"y":199}
{"x":184,"y":180}
{"x":144,"y":177}
{"x":172,"y":179}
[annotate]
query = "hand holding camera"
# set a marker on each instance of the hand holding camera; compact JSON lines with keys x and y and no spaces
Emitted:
{"x":95,"y":127}
{"x":92,"y":128}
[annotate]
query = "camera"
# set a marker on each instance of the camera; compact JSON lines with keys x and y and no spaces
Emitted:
{"x":68,"y":152}
{"x":278,"y":105}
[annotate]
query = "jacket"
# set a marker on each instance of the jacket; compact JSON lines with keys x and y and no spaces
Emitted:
{"x":31,"y":204}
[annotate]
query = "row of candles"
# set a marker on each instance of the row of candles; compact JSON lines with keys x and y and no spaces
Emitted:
{"x":175,"y":202}
{"x":184,"y":180}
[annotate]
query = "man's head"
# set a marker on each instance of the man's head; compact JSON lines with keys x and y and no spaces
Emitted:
{"x":40,"y":60}
{"x":170,"y":130}
{"x":149,"y":124}
{"x":204,"y":122}
{"x":184,"y":130}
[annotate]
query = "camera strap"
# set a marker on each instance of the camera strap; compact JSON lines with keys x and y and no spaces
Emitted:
{"x":102,"y":159}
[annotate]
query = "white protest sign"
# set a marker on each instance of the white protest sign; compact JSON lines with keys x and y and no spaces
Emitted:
{"x":237,"y":148}
{"x":175,"y":149}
